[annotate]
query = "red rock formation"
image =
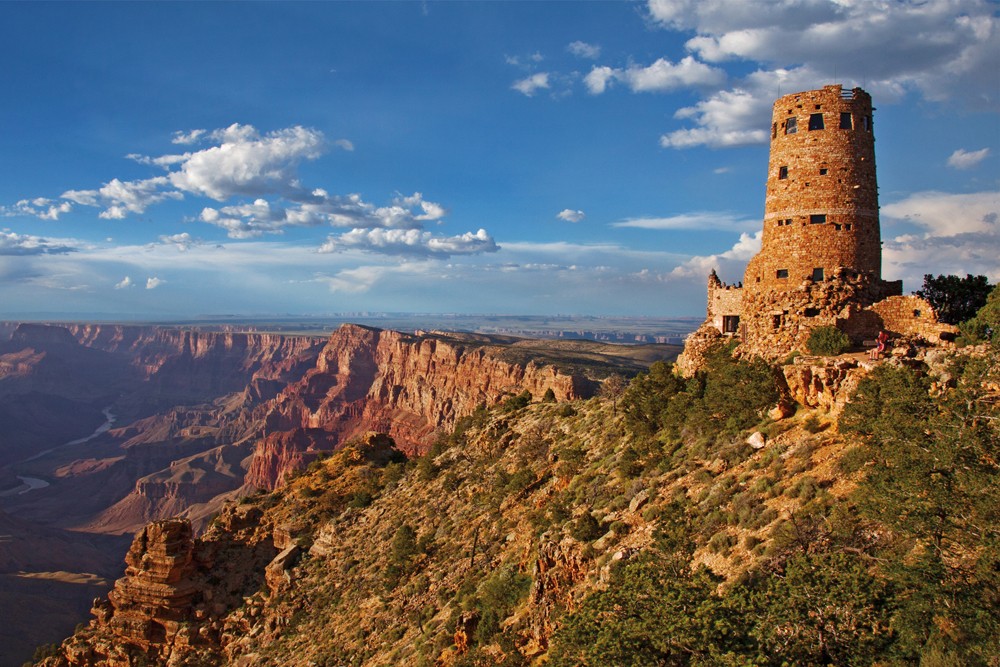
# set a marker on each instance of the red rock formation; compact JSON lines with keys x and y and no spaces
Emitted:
{"x":408,"y":386}
{"x":154,"y":597}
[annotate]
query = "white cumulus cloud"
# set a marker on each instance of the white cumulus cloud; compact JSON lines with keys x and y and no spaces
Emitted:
{"x":248,"y":163}
{"x":569,"y":215}
{"x":661,"y":76}
{"x":731,"y":262}
{"x":411,"y":243}
{"x":182,"y":241}
{"x":532,"y":84}
{"x":942,"y":214}
{"x":664,"y":75}
{"x":40,"y":207}
{"x":599,"y":78}
{"x":939,"y":49}
{"x":963,"y":159}
{"x":584,"y":50}
{"x":154,"y":282}
{"x":190,"y":137}
{"x":125,"y":283}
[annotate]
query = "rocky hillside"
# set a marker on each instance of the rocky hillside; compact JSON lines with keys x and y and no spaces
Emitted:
{"x":110,"y":427}
{"x":817,"y":515}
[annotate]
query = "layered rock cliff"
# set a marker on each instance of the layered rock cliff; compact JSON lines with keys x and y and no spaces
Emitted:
{"x":408,"y":386}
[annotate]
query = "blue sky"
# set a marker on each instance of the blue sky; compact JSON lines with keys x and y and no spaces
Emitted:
{"x":168,"y":160}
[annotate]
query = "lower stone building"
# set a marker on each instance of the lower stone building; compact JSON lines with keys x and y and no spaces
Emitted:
{"x":775,"y":323}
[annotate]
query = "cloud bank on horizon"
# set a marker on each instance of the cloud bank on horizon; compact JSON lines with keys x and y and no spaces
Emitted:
{"x":241,"y":219}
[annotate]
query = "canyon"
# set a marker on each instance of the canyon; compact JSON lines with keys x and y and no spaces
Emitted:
{"x":108,"y":427}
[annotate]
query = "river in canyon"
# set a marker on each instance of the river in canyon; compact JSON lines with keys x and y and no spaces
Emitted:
{"x":29,"y":484}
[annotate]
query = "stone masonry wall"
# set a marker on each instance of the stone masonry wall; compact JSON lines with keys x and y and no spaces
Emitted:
{"x":821,"y":206}
{"x":723,"y":300}
{"x":778,"y":322}
{"x":912,"y":316}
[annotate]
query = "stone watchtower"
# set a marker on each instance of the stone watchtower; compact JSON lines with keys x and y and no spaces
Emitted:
{"x":820,"y":261}
{"x":821,"y":208}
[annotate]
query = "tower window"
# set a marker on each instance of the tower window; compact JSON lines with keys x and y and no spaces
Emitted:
{"x":730,"y":323}
{"x":845,"y":121}
{"x":774,"y":130}
{"x":782,"y":273}
{"x":817,"y":275}
{"x":791,"y":126}
{"x":811,"y":312}
{"x":815,"y":121}
{"x":866,"y":123}
{"x":782,"y":173}
{"x":823,"y":171}
{"x":776,"y":321}
{"x":847,"y":226}
{"x":836,"y":227}
{"x":817,"y":218}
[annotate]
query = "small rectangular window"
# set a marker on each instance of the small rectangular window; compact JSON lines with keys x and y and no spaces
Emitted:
{"x":791,"y":126}
{"x":847,"y":227}
{"x":782,"y":273}
{"x":823,"y":171}
{"x":811,"y":312}
{"x":916,"y":313}
{"x":817,"y":275}
{"x":836,"y":227}
{"x":846,"y":122}
{"x":774,"y":130}
{"x":730,"y":323}
{"x":815,"y":121}
{"x":775,"y":321}
{"x":782,"y":173}
{"x":866,"y":123}
{"x":817,"y":218}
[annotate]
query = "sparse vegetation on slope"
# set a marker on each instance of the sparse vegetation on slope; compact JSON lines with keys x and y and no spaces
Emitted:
{"x":648,"y":534}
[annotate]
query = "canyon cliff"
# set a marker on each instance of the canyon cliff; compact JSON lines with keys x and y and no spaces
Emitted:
{"x":408,"y":386}
{"x":180,"y":422}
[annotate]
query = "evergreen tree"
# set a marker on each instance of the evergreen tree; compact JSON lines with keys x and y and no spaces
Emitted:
{"x":955,"y":299}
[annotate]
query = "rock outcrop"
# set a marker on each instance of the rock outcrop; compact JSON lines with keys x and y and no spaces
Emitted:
{"x":823,"y":382}
{"x":172,"y":603}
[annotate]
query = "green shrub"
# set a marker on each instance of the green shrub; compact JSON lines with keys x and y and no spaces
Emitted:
{"x":586,"y":528}
{"x":515,"y":403}
{"x":985,"y":325}
{"x":813,"y":424}
{"x":827,"y":341}
{"x":566,"y":410}
{"x":496,"y":598}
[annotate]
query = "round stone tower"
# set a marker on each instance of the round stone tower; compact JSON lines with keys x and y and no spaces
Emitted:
{"x":820,"y":261}
{"x":821,"y":207}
